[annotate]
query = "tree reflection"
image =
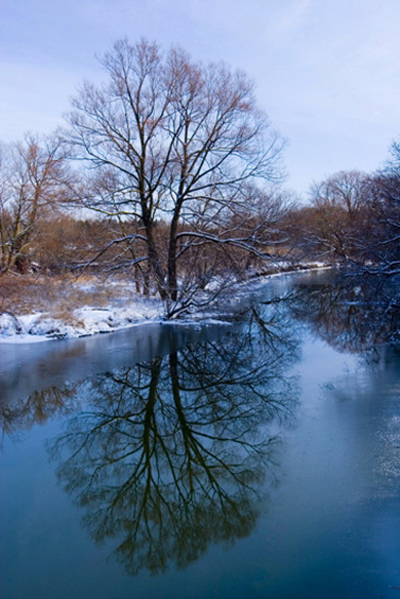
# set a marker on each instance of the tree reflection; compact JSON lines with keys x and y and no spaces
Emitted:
{"x":351,"y":313}
{"x":38,"y":408}
{"x":172,"y":456}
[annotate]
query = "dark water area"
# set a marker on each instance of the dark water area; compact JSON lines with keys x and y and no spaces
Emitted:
{"x":254,"y":459}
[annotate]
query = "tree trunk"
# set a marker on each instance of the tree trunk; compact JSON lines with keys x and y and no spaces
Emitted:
{"x":172,"y":275}
{"x":154,"y":261}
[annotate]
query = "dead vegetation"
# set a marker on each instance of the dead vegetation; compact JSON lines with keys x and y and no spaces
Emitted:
{"x":61,"y":295}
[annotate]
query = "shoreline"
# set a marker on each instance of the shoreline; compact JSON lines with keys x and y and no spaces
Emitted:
{"x":39,"y":327}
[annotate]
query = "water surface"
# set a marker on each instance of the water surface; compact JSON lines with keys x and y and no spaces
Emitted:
{"x":259,"y":459}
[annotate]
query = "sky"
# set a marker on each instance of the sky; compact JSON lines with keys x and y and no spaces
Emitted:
{"x":327,"y":72}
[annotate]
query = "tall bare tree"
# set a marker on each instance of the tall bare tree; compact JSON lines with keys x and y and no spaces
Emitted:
{"x":181,"y":142}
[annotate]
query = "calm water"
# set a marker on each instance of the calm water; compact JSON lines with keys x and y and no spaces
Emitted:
{"x":257,"y":459}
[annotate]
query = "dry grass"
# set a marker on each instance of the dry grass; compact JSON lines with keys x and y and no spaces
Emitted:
{"x":60,"y":294}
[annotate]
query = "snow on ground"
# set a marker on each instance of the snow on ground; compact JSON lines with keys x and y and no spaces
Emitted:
{"x":84,"y":321}
{"x":123,"y":313}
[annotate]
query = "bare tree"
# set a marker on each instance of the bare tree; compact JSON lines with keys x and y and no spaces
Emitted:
{"x":339,"y":203}
{"x":381,"y":241}
{"x":33,"y":179}
{"x":182,"y":143}
{"x":332,"y":227}
{"x":343,"y":190}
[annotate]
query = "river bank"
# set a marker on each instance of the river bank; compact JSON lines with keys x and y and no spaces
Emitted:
{"x":39,"y":309}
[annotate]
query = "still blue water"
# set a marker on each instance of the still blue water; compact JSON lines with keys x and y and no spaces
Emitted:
{"x":258,"y":459}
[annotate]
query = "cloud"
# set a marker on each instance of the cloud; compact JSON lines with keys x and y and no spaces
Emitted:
{"x":296,"y":15}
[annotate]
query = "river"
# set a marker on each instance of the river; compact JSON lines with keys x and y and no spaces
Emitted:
{"x":258,"y":458}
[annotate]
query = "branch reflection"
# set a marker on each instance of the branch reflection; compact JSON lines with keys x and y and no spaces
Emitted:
{"x":351,"y":313}
{"x":172,"y":456}
{"x":36,"y":409}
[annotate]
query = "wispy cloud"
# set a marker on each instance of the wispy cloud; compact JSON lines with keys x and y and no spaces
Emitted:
{"x":291,"y":17}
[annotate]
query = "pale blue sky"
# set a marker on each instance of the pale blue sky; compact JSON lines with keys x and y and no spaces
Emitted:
{"x":327,"y":71}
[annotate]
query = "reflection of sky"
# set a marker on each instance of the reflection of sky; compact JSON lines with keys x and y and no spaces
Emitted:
{"x":339,"y":494}
{"x":386,"y":540}
{"x":326,"y":72}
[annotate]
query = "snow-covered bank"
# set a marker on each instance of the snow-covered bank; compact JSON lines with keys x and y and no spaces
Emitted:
{"x":88,"y":320}
{"x":118,"y":314}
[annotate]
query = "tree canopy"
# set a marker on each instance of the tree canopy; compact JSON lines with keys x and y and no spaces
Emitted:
{"x":174,"y":140}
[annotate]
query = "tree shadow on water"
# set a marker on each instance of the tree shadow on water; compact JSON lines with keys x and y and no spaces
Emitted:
{"x":172,"y":456}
